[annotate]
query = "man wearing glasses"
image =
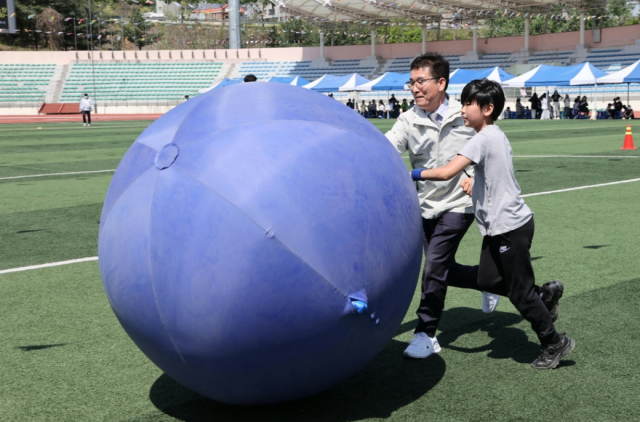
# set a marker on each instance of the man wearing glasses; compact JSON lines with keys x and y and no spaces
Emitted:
{"x":433,"y":132}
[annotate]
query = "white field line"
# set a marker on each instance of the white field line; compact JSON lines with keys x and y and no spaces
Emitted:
{"x":52,"y":264}
{"x":580,"y":187}
{"x":95,"y":258}
{"x":55,"y":174}
{"x":576,"y":156}
{"x":566,"y":156}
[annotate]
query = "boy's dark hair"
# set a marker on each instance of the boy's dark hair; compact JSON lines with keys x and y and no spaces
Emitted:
{"x":250,"y":78}
{"x":438,"y":66}
{"x":484,"y":92}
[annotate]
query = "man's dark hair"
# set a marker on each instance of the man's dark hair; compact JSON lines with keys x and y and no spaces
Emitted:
{"x":86,"y":95}
{"x":250,"y":78}
{"x":438,"y":66}
{"x":484,"y":92}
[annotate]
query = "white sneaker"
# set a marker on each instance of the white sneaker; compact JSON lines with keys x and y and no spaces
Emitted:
{"x":84,"y":124}
{"x":88,"y":124}
{"x":422,"y":346}
{"x":489,"y":302}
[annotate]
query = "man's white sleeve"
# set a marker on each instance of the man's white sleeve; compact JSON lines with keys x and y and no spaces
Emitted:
{"x":399,"y":135}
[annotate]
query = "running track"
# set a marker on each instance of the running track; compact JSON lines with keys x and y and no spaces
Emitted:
{"x":76,"y":118}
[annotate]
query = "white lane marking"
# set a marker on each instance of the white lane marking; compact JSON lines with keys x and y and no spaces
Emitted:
{"x":580,"y":187}
{"x":576,"y":156}
{"x":95,"y":258}
{"x":55,"y":174}
{"x":52,"y":264}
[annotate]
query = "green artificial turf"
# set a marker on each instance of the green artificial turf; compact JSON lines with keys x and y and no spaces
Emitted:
{"x":65,"y":357}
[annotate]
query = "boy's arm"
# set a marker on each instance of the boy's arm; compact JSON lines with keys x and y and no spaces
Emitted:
{"x":455,"y":166}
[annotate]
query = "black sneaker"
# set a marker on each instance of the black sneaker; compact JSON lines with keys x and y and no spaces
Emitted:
{"x":550,"y":293}
{"x":550,"y":355}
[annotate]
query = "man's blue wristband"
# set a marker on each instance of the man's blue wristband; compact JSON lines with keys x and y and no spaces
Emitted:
{"x":415,"y":174}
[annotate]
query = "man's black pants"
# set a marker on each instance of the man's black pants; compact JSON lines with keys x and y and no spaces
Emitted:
{"x":442,"y":237}
{"x":505,"y":269}
{"x":86,"y":115}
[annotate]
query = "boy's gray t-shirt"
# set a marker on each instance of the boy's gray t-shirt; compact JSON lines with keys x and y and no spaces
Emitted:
{"x":496,"y":194}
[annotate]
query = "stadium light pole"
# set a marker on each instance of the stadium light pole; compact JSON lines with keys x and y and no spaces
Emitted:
{"x":424,"y":38}
{"x":93,"y":68}
{"x":75,"y":34}
{"x":475,"y":38}
{"x":234,"y":24}
{"x":373,"y":41}
{"x":527,"y":20}
{"x":321,"y":32}
{"x":582,"y":28}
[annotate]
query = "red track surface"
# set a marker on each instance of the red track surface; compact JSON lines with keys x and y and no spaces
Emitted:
{"x":75,"y":118}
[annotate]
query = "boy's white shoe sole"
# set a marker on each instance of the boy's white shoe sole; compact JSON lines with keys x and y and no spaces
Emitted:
{"x":422,"y":346}
{"x":489,"y":302}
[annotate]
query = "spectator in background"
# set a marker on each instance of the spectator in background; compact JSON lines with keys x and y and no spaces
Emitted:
{"x":544,"y":106}
{"x":617,"y":105}
{"x":250,"y":78}
{"x":396,"y":110}
{"x":555,"y":101}
{"x":86,"y":105}
{"x":610,"y":112}
{"x":412,"y":103}
{"x":627,"y":112}
{"x":186,"y":98}
{"x":349,"y":103}
{"x":567,"y":107}
{"x":331,"y":95}
{"x":507,"y":113}
{"x":535,"y":106}
{"x":576,"y":108}
{"x":372,"y":109}
{"x":584,"y":106}
{"x":519,"y":109}
{"x":363,"y":108}
{"x":388,"y":108}
{"x":404,"y":106}
{"x":381,"y":109}
{"x":393,"y":99}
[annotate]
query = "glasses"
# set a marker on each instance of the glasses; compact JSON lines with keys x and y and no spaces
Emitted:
{"x":420,"y":82}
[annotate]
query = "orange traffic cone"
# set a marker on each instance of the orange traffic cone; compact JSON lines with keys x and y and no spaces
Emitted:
{"x":628,"y":139}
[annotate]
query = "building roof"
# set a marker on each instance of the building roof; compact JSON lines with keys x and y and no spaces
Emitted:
{"x":371,"y":11}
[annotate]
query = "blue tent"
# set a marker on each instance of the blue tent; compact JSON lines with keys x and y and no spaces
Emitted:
{"x":329,"y":83}
{"x":390,"y":81}
{"x":464,"y":76}
{"x":630,"y":74}
{"x":224,"y":82}
{"x":580,"y":74}
{"x":289,"y":80}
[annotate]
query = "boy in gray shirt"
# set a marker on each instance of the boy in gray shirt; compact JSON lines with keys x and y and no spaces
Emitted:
{"x":504,"y":220}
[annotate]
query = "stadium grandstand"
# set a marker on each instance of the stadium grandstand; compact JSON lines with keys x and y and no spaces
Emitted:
{"x":149,"y":80}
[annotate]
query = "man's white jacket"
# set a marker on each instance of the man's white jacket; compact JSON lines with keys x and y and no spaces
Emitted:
{"x":86,"y":104}
{"x":430,"y":147}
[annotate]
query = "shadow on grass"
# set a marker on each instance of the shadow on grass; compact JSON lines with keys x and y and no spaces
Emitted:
{"x":40,"y":347}
{"x":389,"y":383}
{"x":508,"y":342}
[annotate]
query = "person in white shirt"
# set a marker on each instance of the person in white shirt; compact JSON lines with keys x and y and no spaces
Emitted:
{"x":433,"y":132}
{"x":86,"y":105}
{"x":544,"y":105}
{"x":388,"y":108}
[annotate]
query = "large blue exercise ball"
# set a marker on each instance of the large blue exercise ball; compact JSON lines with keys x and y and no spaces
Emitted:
{"x":260,"y":243}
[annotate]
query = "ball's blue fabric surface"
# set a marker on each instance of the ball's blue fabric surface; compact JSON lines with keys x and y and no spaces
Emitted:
{"x":238,"y":230}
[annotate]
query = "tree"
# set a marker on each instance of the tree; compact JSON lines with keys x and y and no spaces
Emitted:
{"x":49,"y":21}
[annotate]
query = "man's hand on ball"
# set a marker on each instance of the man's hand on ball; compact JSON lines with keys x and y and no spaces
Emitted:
{"x":467,"y":185}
